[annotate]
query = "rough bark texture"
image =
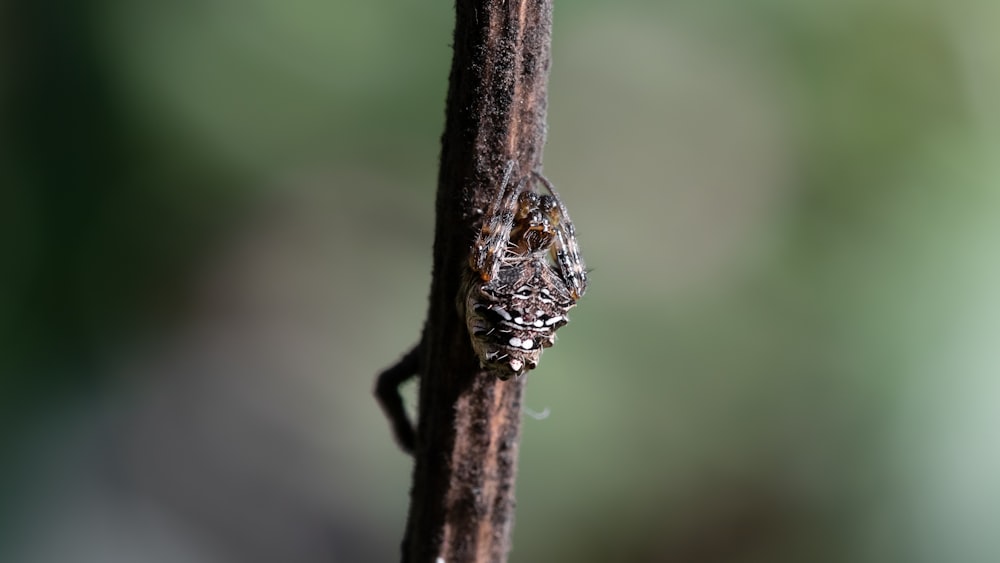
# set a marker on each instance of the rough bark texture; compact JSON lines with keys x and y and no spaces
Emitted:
{"x":467,"y":435}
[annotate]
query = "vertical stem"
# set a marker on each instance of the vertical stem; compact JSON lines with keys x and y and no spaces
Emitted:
{"x":469,"y":422}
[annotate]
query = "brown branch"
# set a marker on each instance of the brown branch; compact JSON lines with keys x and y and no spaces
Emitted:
{"x":467,"y":436}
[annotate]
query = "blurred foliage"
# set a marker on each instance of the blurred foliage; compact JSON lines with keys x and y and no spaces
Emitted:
{"x":216,"y":225}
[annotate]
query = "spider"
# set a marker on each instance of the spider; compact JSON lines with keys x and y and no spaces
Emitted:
{"x":525,"y":272}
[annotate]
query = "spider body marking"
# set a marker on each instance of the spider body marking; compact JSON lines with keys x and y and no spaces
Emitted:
{"x":525,"y":273}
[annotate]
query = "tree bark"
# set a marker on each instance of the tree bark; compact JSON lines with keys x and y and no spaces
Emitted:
{"x":462,"y":500}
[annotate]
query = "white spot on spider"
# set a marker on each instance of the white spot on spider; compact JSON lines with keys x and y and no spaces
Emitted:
{"x":515,"y":342}
{"x":539,"y":313}
{"x":519,"y":320}
{"x":528,"y":344}
{"x":516,"y":364}
{"x":502,"y":312}
{"x":538,"y":323}
{"x":553,"y":320}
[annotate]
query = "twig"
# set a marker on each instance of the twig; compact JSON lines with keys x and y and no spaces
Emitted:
{"x":466,"y":441}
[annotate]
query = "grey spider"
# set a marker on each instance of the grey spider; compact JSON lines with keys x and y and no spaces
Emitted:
{"x":525,"y":273}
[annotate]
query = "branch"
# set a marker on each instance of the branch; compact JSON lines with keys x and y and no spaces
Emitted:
{"x":469,"y":421}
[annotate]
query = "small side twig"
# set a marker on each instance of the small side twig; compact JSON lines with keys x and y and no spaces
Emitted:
{"x":387,"y":392}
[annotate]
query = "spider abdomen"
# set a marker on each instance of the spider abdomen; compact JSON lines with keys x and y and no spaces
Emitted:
{"x":512,"y":318}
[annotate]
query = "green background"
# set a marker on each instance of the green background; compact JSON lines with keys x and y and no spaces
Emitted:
{"x":216,"y":227}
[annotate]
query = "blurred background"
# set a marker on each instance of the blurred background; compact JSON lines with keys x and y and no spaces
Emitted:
{"x":216,"y":226}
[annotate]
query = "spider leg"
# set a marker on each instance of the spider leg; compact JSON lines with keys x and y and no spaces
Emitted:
{"x":565,"y":250}
{"x":387,"y":393}
{"x":494,"y":235}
